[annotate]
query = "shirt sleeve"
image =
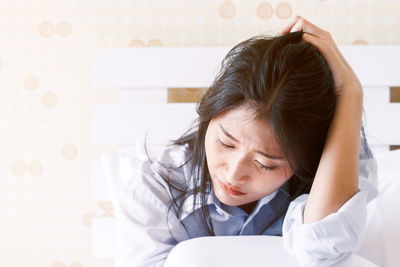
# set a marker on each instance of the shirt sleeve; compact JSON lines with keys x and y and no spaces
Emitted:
{"x":146,"y":230}
{"x":333,"y":239}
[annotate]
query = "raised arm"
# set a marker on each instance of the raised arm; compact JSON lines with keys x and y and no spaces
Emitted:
{"x":336,"y":179}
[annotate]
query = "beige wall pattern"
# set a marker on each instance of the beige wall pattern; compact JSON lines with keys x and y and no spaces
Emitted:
{"x":46,"y":60}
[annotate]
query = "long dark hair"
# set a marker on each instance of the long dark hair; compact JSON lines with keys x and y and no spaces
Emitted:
{"x":289,"y":84}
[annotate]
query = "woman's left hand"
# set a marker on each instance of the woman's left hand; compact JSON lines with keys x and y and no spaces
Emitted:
{"x":336,"y":179}
{"x":344,"y":76}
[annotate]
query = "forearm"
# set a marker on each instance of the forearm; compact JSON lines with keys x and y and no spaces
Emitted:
{"x":336,"y":179}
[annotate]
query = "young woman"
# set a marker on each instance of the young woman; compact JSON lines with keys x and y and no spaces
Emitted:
{"x":276,"y":150}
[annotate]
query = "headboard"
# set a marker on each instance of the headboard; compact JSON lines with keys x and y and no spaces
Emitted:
{"x":158,"y":87}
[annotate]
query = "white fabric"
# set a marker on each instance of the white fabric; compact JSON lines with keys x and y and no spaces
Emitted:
{"x":331,"y":240}
{"x":336,"y":237}
{"x":254,"y":251}
{"x":381,"y":243}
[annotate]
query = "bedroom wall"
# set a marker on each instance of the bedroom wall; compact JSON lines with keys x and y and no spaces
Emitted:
{"x":46,"y":60}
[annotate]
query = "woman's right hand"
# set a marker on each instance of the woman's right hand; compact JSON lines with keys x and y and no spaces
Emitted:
{"x":343,"y":75}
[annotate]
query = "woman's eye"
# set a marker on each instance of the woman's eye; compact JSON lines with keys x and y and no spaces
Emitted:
{"x":268,"y":168}
{"x":224,"y":145}
{"x":262,"y":166}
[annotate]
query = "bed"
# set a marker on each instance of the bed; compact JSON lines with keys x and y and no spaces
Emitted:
{"x":158,"y":87}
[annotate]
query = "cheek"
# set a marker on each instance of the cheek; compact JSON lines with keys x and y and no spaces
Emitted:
{"x":212,"y":156}
{"x":273,"y":179}
{"x":210,"y":150}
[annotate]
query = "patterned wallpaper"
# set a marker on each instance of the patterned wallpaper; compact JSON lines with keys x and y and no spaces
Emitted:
{"x":46,"y":60}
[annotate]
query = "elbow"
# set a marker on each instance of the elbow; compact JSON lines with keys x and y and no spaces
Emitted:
{"x":330,"y":241}
{"x":325,"y":252}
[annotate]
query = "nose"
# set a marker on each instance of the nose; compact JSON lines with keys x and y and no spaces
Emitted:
{"x":236,"y":170}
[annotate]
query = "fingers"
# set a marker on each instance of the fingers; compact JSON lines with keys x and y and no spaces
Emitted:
{"x":313,"y":40}
{"x":300,"y":24}
{"x":292,"y":22}
{"x":328,"y":50}
{"x":322,"y":45}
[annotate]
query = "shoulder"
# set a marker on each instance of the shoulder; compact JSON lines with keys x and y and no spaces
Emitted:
{"x":175,"y":162}
{"x":158,"y":179}
{"x":135,"y":175}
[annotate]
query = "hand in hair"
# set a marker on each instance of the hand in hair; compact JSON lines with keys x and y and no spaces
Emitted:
{"x":336,"y":179}
{"x":343,"y":74}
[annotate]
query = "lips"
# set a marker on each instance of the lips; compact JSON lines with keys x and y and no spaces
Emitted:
{"x":230,"y":190}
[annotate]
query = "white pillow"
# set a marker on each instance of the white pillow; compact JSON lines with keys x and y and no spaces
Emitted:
{"x":381,"y":243}
{"x":235,"y":251}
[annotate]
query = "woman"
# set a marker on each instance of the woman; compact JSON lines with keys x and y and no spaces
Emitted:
{"x":275,"y":151}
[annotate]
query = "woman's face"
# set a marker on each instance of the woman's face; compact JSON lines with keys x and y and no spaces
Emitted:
{"x":243,"y":157}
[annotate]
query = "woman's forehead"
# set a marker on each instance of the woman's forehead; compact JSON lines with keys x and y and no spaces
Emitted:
{"x":244,"y":113}
{"x":241,"y":122}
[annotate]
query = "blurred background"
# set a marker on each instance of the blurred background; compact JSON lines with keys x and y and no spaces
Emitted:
{"x":46,"y":95}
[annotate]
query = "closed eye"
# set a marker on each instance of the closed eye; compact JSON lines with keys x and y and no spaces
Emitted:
{"x":268,"y":168}
{"x":225,"y":145}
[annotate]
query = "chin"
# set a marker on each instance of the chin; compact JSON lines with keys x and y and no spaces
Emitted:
{"x":230,"y":201}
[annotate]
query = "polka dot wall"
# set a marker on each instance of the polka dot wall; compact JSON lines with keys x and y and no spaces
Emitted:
{"x":46,"y":95}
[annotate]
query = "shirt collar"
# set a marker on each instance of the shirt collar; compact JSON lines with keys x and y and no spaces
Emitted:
{"x":188,"y":208}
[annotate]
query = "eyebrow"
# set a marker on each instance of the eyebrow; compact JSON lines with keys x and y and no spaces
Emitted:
{"x":258,"y":151}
